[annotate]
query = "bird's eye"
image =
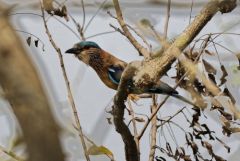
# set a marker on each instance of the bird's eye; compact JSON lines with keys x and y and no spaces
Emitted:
{"x":80,"y":49}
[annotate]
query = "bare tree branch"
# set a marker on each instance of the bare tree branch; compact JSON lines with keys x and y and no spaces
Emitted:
{"x":153,"y":133}
{"x":134,"y":122}
{"x":24,"y":91}
{"x":70,"y":96}
{"x":131,"y":150}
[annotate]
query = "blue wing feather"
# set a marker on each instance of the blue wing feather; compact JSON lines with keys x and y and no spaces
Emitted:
{"x":115,"y":73}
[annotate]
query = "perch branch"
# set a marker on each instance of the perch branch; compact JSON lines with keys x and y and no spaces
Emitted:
{"x":131,"y":150}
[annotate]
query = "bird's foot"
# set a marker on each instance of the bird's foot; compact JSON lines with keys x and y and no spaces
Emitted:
{"x":133,"y":97}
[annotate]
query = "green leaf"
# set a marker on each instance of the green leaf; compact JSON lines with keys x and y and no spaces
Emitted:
{"x":99,"y":150}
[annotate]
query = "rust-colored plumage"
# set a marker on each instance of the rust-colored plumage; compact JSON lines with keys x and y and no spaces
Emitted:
{"x":102,"y":62}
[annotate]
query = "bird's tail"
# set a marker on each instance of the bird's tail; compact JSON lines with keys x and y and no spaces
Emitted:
{"x":184,"y":99}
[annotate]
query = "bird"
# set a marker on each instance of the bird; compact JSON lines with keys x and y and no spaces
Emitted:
{"x":110,"y":68}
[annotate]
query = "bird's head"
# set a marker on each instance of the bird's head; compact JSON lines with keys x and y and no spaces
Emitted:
{"x":84,"y":50}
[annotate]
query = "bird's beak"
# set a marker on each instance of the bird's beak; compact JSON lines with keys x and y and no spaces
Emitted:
{"x":72,"y":51}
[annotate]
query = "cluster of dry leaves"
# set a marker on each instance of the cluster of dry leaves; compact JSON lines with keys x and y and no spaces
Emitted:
{"x":201,"y":134}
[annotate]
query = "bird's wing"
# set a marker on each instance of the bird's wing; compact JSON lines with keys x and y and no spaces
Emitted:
{"x":162,"y":88}
{"x":115,"y":73}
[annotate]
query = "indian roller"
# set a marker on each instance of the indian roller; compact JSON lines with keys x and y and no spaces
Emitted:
{"x":110,"y":68}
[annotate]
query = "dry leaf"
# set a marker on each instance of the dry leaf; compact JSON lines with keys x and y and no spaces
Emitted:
{"x":194,"y":148}
{"x":158,"y":158}
{"x":208,"y":146}
{"x":61,"y":12}
{"x":196,"y":97}
{"x":36,"y":43}
{"x":212,"y":78}
{"x":216,"y":104}
{"x":225,"y":121}
{"x":64,"y":12}
{"x":145,"y":23}
{"x":226,"y":126}
{"x":48,"y":5}
{"x":226,"y":115}
{"x":234,"y":129}
{"x":208,"y":52}
{"x":209,"y":68}
{"x":224,"y":75}
{"x":218,"y":158}
{"x":227,"y":93}
{"x":224,"y":144}
{"x":199,"y":86}
{"x":109,"y":120}
{"x":29,"y":40}
{"x":139,"y":119}
{"x":168,"y":147}
{"x":234,"y":110}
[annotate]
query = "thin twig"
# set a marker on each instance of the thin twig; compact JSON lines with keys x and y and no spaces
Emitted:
{"x":142,"y":50}
{"x":100,"y":34}
{"x":84,"y":15}
{"x":141,"y":36}
{"x":28,"y":33}
{"x":117,"y":29}
{"x":153,"y":132}
{"x":171,"y":134}
{"x":70,"y":96}
{"x":11,"y":154}
{"x":190,"y":15}
{"x":167,"y":19}
{"x":171,"y":117}
{"x":133,"y":117}
{"x":165,"y":44}
{"x":134,"y":125}
{"x":94,"y":15}
{"x":38,"y":15}
{"x":79,"y":28}
{"x":69,"y":28}
{"x":135,"y":31}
